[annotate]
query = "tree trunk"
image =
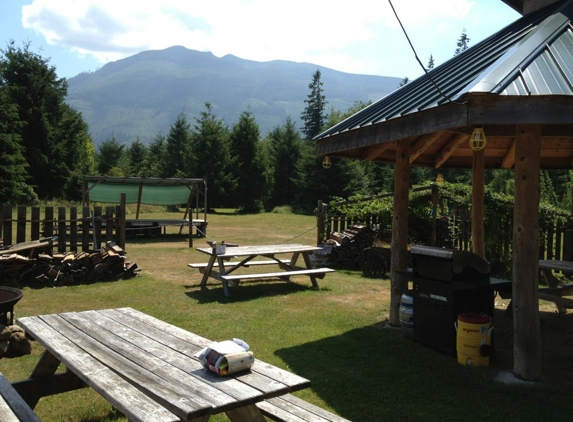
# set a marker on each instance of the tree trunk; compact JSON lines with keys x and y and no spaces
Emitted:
{"x":399,"y":257}
{"x":525,"y":301}
{"x":478,"y":189}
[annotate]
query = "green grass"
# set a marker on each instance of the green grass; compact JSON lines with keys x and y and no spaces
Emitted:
{"x":335,"y":336}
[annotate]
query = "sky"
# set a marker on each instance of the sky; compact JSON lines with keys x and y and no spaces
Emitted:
{"x":359,"y":36}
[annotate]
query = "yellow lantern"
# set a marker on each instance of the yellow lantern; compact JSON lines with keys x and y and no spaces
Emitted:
{"x":477,"y":139}
{"x":326,"y":163}
{"x":440,"y":178}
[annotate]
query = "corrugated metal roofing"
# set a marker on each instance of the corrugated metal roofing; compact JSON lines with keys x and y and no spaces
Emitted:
{"x":532,"y":56}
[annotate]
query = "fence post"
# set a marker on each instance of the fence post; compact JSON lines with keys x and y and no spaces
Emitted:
{"x":48,"y":222}
{"x":7,"y":224}
{"x":320,"y":229}
{"x":35,"y":224}
{"x":120,"y":215}
{"x":62,"y":229}
{"x":21,"y":224}
{"x":86,"y":229}
{"x":74,"y":229}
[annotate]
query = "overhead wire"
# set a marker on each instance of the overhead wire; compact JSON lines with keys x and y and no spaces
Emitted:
{"x":417,"y":58}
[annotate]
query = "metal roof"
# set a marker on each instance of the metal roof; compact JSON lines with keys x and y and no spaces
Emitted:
{"x":532,"y":56}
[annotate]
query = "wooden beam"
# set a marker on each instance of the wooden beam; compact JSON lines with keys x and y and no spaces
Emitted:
{"x":525,"y":300}
{"x":422,"y":144}
{"x":399,"y":249}
{"x":448,"y":149}
{"x":509,"y":159}
{"x":376,"y":150}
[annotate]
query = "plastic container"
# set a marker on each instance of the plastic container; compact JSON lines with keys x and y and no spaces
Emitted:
{"x":473,"y":340}
{"x":407,"y":314}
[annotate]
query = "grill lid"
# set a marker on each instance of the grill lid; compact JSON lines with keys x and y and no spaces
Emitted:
{"x":461,"y":260}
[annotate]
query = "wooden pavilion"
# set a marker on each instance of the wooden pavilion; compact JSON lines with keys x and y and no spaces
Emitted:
{"x":517,"y":87}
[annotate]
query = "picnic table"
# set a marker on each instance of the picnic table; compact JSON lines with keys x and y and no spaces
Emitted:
{"x":556,"y":290}
{"x":225,"y":269}
{"x":146,"y":368}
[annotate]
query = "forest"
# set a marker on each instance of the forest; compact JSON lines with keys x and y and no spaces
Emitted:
{"x":46,"y":147}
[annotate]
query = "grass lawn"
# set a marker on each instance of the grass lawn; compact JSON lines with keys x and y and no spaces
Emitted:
{"x":335,"y":336}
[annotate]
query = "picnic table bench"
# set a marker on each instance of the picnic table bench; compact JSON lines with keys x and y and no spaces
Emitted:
{"x":556,"y":290}
{"x":13,"y":408}
{"x":221,"y":266}
{"x":147,"y":369}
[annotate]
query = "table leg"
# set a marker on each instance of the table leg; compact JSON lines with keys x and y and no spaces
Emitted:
{"x":308,"y":263}
{"x":207,"y":272}
{"x":223,"y":273}
{"x":248,"y":413}
{"x":45,"y":382}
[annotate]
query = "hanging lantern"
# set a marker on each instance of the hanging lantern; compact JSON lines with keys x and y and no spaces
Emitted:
{"x":440,"y":178}
{"x":326,"y":163}
{"x":477,"y":139}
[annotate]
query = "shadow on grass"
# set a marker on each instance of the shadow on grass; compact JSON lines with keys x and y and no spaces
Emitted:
{"x":376,"y":373}
{"x":247,"y":291}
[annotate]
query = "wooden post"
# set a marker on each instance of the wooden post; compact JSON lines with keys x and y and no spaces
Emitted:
{"x":478,"y":195}
{"x":320,"y":226}
{"x":62,"y":229}
{"x":399,"y":253}
{"x":525,"y":300}
{"x":74,"y":229}
{"x":120,"y":215}
{"x":21,"y":224}
{"x":7,"y":224}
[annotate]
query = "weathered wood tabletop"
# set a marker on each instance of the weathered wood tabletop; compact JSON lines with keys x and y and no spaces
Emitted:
{"x":144,"y":367}
{"x":248,"y":253}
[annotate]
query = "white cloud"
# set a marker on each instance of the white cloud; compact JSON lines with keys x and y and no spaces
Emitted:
{"x":330,"y":33}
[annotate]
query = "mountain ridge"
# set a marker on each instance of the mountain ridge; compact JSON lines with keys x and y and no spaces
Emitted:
{"x":141,"y":96}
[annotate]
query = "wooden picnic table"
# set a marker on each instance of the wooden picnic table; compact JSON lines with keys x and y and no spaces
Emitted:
{"x":247,"y":254}
{"x":144,"y":367}
{"x":556,"y":290}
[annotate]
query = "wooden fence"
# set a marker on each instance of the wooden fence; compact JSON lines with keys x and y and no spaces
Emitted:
{"x":454,"y":231}
{"x":71,"y":228}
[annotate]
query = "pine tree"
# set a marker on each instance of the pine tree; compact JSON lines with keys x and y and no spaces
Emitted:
{"x":287,"y":151}
{"x":31,"y":83}
{"x":178,"y":151}
{"x":431,"y":62}
{"x":137,"y":156}
{"x":247,"y":166}
{"x":13,"y":166}
{"x":211,"y":157}
{"x":463,"y":43}
{"x":110,"y":156}
{"x":313,"y":114}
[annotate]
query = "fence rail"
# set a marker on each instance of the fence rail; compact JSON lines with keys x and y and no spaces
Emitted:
{"x":72,"y":228}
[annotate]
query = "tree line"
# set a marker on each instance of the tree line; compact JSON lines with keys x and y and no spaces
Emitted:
{"x":46,"y":148}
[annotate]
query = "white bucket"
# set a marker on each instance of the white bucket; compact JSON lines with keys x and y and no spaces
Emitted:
{"x":407,"y":314}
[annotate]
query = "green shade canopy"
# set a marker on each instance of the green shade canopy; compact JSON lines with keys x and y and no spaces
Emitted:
{"x":150,"y":191}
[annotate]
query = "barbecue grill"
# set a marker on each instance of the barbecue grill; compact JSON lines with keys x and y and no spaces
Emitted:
{"x":447,"y":282}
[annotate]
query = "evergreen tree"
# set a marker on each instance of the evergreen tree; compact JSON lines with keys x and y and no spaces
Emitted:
{"x":313,"y":114}
{"x":287,"y":151}
{"x":155,"y":159}
{"x":31,"y":83}
{"x":211,"y":157}
{"x":178,"y":152}
{"x":137,"y":157}
{"x":110,"y":157}
{"x":431,"y":62}
{"x":404,"y":81}
{"x":13,"y":166}
{"x":463,"y":43}
{"x":247,"y":165}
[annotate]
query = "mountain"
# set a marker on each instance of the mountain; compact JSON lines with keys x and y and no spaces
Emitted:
{"x":142,"y":95}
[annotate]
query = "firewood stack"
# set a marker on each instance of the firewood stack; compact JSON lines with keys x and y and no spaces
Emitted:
{"x":352,"y":243}
{"x":49,"y":270}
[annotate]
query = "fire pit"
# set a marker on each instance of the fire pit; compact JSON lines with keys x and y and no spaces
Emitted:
{"x":8,"y":298}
